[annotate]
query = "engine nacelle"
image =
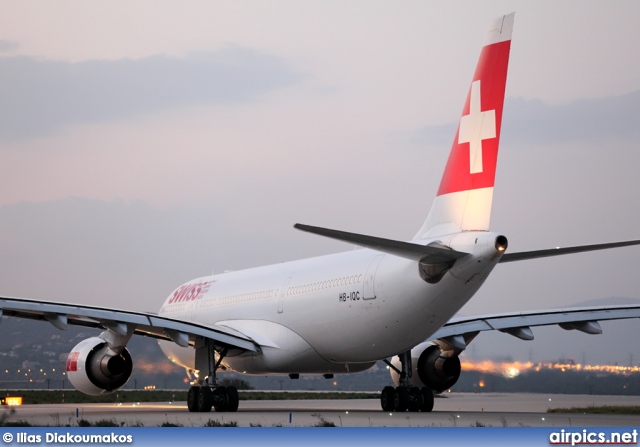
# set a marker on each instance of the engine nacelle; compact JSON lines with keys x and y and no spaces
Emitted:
{"x":437,"y":370}
{"x":94,"y":369}
{"x":431,"y":368}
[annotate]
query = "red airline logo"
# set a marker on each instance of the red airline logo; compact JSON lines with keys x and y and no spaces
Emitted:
{"x":476,"y":127}
{"x":72,"y":361}
{"x":190,"y":292}
{"x":474,"y":153}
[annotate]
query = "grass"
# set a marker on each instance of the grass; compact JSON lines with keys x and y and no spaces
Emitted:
{"x":99,"y":423}
{"x":18,"y":423}
{"x":325,"y":423}
{"x":322,"y":422}
{"x":214,"y":423}
{"x":171,"y":424}
{"x":114,"y":423}
{"x":635,"y":410}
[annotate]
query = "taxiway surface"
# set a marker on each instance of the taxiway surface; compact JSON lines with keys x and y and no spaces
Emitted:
{"x":456,"y":410}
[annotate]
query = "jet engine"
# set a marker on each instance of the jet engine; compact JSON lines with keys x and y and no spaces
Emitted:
{"x":437,"y":370}
{"x":431,"y":367}
{"x":94,"y":368}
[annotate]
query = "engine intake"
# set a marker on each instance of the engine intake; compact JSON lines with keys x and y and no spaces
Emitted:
{"x":436,"y":370}
{"x":95,"y":369}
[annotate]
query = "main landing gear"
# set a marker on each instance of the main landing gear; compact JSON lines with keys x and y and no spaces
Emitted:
{"x":206,"y":394}
{"x":203,"y":398}
{"x":406,"y":397}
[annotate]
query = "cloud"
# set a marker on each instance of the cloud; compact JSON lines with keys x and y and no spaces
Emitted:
{"x":8,"y":45}
{"x":582,"y":120}
{"x":94,"y":252}
{"x":535,"y":122}
{"x":40,"y":96}
{"x":127,"y":255}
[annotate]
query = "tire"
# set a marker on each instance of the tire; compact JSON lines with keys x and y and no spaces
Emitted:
{"x":427,"y":400}
{"x":205,"y":399}
{"x":401,"y":399}
{"x":220,"y":399}
{"x":386,"y":398}
{"x":415,"y":399}
{"x":233,"y":400}
{"x":192,"y":399}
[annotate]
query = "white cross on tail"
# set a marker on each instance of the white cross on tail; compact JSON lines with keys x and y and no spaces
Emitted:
{"x":475,"y":127}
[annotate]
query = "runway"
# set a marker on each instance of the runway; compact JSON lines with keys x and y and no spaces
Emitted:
{"x":456,"y":410}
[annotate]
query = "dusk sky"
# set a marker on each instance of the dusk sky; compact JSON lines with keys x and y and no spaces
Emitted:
{"x":147,"y":143}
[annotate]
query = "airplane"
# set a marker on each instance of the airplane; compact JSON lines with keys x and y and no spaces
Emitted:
{"x":342,"y":313}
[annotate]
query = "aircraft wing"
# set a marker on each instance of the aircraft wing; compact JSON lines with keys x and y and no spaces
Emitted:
{"x":458,"y":332}
{"x":183,"y":333}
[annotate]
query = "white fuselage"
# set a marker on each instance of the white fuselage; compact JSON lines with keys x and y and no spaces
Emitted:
{"x":331,"y":314}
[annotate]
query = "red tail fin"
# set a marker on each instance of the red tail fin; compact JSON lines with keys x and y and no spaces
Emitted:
{"x":464,"y":198}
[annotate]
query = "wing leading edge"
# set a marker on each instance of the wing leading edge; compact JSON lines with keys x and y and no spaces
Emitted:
{"x":460,"y":331}
{"x":182,"y":333}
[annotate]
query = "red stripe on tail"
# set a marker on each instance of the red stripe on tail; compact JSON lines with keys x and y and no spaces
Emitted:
{"x":478,"y":132}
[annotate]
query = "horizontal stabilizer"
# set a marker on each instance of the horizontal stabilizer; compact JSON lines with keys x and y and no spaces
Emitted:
{"x":510,"y":257}
{"x":421,"y":253}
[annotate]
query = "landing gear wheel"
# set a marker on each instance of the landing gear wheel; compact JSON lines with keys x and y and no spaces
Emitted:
{"x":401,"y":399}
{"x":386,"y":398}
{"x":192,"y":398}
{"x":427,"y":400}
{"x":205,"y":399}
{"x":220,"y":399}
{"x":415,"y":399}
{"x":232,"y":399}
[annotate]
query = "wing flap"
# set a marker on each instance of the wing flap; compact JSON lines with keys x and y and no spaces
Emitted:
{"x":519,"y":324}
{"x":155,"y":326}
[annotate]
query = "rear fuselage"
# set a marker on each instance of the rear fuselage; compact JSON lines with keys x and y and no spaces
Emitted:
{"x":330,"y":314}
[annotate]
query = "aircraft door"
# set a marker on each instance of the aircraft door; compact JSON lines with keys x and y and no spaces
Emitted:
{"x":369,"y":290}
{"x":281,"y":294}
